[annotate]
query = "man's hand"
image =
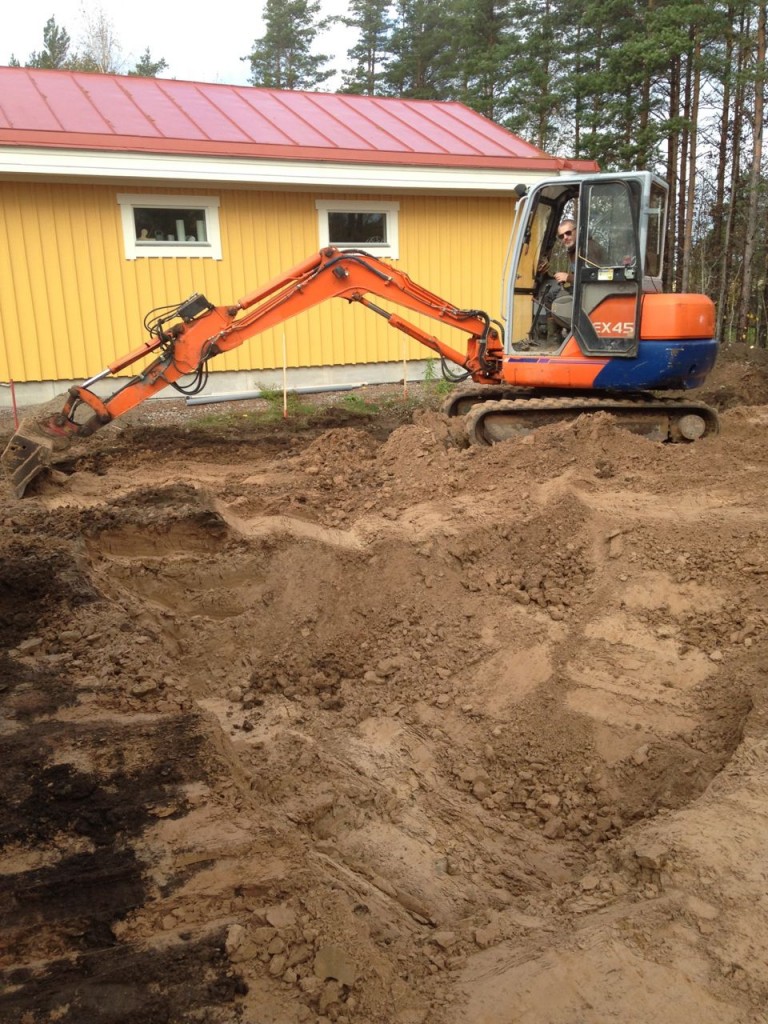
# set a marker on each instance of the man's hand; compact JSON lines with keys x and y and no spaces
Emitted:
{"x":562,"y":277}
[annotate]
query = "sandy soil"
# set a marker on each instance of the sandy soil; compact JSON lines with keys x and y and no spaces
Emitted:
{"x":351,"y":724}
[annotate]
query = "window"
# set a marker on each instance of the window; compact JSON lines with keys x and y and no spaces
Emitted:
{"x":654,"y":250}
{"x":611,"y":234}
{"x":359,"y":225}
{"x":175,"y":226}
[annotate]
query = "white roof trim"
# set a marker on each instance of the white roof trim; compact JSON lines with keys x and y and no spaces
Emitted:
{"x":29,"y":161}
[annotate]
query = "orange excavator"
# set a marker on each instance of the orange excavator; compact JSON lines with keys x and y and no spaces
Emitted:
{"x":616,"y":342}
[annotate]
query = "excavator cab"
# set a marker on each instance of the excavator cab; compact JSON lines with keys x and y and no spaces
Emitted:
{"x":619,"y":250}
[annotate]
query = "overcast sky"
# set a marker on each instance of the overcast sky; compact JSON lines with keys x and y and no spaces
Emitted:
{"x":200,"y":42}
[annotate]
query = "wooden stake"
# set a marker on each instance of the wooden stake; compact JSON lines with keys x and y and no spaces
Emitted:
{"x":13,"y":403}
{"x":285,"y":379}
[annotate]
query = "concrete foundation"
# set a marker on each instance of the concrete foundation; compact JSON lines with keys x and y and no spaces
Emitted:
{"x":228,"y":384}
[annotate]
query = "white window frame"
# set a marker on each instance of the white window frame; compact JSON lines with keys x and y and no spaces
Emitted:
{"x":210,"y":249}
{"x":389,"y":249}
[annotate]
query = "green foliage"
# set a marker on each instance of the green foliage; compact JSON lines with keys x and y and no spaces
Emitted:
{"x":84,"y":62}
{"x":282,"y":58}
{"x":372,"y":20}
{"x":486,"y":29}
{"x":622,"y":74}
{"x":436,"y":388}
{"x":146,"y":67}
{"x":278,"y":406}
{"x":100,"y":52}
{"x":355,"y":403}
{"x":55,"y":52}
{"x":435,"y":384}
{"x":537,"y":97}
{"x":270,"y":393}
{"x":422,"y":57}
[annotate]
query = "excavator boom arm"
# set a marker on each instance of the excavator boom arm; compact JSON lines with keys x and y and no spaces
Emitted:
{"x":352,"y":275}
{"x":330,"y":274}
{"x":189,"y":335}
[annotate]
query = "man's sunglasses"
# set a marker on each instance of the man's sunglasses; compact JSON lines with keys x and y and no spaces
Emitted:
{"x":564,"y":234}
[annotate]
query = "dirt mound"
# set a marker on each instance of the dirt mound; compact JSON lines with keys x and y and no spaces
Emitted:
{"x":740,"y":378}
{"x":358,"y":725}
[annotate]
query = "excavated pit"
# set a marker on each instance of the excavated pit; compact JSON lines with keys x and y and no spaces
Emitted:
{"x":361,"y":726}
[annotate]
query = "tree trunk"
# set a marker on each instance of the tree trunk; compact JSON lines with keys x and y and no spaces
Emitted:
{"x":685,"y":144}
{"x":692,"y":151}
{"x":725,"y":115}
{"x":727,"y":263}
{"x":672,"y":170}
{"x":746,"y":314}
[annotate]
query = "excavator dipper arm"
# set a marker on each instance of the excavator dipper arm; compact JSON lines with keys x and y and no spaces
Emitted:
{"x":187,"y":336}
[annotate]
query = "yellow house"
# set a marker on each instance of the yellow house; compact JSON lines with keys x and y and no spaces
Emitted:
{"x":121,"y":194}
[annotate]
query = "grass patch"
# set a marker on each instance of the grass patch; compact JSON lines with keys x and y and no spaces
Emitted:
{"x":276,"y":404}
{"x":436,"y":387}
{"x":216,"y":420}
{"x":375,"y":411}
{"x":355,"y":403}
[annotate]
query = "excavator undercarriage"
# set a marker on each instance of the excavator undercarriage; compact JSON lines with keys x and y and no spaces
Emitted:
{"x":494,"y":414}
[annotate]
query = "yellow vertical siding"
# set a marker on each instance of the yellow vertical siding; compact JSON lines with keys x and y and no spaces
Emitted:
{"x":70,"y":302}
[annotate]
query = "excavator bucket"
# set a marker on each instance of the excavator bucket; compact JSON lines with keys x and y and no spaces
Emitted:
{"x":32,"y":448}
{"x":25,"y":458}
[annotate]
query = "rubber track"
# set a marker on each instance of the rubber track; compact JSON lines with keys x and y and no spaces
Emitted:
{"x":520,"y":408}
{"x":485,"y":393}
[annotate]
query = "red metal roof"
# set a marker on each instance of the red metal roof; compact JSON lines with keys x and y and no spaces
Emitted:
{"x":153,"y":115}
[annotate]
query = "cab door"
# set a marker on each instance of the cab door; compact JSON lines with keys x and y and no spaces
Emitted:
{"x":608,"y":270}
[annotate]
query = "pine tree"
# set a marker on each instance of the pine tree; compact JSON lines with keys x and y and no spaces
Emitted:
{"x":629,"y":72}
{"x":607,"y":78}
{"x":538,"y":90}
{"x":55,"y":52}
{"x":486,"y":42}
{"x":146,"y":67}
{"x":423,"y":59}
{"x":101,"y":52}
{"x":372,"y":20}
{"x":282,"y":58}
